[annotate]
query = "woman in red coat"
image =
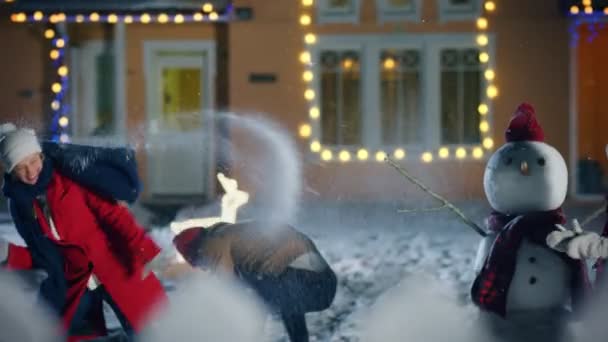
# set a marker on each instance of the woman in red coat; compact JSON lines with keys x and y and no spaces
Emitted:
{"x":91,"y":246}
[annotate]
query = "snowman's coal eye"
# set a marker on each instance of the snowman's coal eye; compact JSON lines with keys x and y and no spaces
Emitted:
{"x":508,"y":161}
{"x":541,"y":161}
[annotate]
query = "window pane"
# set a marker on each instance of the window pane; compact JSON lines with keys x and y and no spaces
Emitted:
{"x":461,"y":85}
{"x":340,"y":98}
{"x":181,"y":97}
{"x":400,"y":3}
{"x":340,"y":5}
{"x":400,"y":97}
{"x":460,"y":2}
{"x":104,"y":114}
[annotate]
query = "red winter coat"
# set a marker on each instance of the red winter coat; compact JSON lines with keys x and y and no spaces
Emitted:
{"x":103,"y":233}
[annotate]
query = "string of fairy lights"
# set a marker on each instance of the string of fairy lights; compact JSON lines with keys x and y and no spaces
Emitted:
{"x":329,"y":153}
{"x":60,"y":122}
{"x":585,"y":7}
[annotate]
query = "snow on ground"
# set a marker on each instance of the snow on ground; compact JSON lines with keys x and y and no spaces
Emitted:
{"x":372,"y":248}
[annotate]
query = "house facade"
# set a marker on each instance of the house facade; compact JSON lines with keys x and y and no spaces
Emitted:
{"x":429,"y":83}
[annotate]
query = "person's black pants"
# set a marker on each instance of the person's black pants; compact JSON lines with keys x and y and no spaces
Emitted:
{"x":294,"y":293}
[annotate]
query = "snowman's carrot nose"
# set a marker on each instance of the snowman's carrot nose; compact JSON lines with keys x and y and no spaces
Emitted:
{"x":523,"y":167}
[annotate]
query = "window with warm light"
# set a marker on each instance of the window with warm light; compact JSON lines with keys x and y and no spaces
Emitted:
{"x":340,"y":97}
{"x":400,"y":96}
{"x":338,"y":11}
{"x":459,"y":9}
{"x":398,"y":10}
{"x":416,"y":93}
{"x":461,"y":90}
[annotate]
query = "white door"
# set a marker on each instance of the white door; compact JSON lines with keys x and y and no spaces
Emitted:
{"x":179,"y":129}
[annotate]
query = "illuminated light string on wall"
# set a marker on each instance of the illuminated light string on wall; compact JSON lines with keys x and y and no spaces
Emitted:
{"x":60,"y":123}
{"x":362,"y":154}
{"x":586,"y":13}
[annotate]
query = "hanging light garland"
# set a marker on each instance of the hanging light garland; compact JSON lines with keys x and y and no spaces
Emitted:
{"x":362,"y":154}
{"x":60,"y":122}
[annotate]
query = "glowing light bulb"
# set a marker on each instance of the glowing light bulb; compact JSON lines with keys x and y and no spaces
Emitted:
{"x":380,"y":156}
{"x":79,"y":18}
{"x":145,"y":18}
{"x":207,"y":7}
{"x":112,"y":18}
{"x":310,"y":38}
{"x":49,"y":34}
{"x":54,"y":54}
{"x":162,"y":18}
{"x":492,"y":91}
{"x":128,"y":19}
{"x":38,"y":15}
{"x":213,"y":16}
{"x":574,"y":10}
{"x":482,"y":40}
{"x":588,"y":10}
{"x":362,"y":154}
{"x":307,"y":3}
{"x":461,"y":153}
{"x":482,"y":23}
{"x":326,"y":155}
{"x":315,"y":146}
{"x":484,"y":57}
{"x":347,"y":63}
{"x":178,"y":19}
{"x":62,"y":71}
{"x":305,"y":130}
{"x":63,"y":121}
{"x":389,"y":64}
{"x":197,"y":16}
{"x":489,"y":74}
{"x":427,"y":157}
{"x":444,"y":152}
{"x":483,"y":109}
{"x":94,"y":17}
{"x":56,"y":87}
{"x":314,"y":113}
{"x":60,"y":43}
{"x":344,"y":156}
{"x":55,"y":105}
{"x":309,"y":94}
{"x":305,"y":20}
{"x":477,"y":153}
{"x":484,"y":126}
{"x":307,"y":76}
{"x":490,"y":6}
{"x":305,"y":57}
{"x":399,"y":153}
{"x":488,"y":143}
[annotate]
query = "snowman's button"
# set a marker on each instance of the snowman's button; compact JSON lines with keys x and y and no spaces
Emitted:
{"x":532,"y":280}
{"x":532,"y":260}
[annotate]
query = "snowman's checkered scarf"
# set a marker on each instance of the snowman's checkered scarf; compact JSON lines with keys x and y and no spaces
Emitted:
{"x":491,"y":285}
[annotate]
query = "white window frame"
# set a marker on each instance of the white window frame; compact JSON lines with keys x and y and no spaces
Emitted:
{"x":369,"y":46}
{"x":327,"y":15}
{"x":387,"y":13}
{"x":449,"y":12}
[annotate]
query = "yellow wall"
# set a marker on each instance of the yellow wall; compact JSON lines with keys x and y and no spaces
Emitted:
{"x":531,"y":65}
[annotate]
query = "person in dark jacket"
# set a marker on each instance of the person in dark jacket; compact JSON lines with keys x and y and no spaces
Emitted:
{"x":280,"y":263}
{"x":64,"y":203}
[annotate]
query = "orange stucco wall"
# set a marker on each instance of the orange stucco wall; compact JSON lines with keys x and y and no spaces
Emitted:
{"x":592,"y":102}
{"x":531,"y":65}
{"x":23,"y":49}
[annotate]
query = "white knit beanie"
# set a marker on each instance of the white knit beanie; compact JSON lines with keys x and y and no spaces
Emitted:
{"x":16,"y":144}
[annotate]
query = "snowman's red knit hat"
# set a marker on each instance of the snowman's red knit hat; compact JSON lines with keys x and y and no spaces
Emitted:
{"x":524,"y":126}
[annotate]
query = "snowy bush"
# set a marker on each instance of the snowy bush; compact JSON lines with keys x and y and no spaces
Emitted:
{"x":206,"y":308}
{"x":21,"y":317}
{"x":421,"y":309}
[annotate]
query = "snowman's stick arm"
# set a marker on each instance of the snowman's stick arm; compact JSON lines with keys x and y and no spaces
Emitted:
{"x":445,"y":202}
{"x":593,"y":216}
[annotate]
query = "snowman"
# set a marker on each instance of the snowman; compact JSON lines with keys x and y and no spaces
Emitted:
{"x":522,"y":286}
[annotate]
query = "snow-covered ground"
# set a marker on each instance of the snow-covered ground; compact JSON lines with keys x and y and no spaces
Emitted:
{"x":372,"y":248}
